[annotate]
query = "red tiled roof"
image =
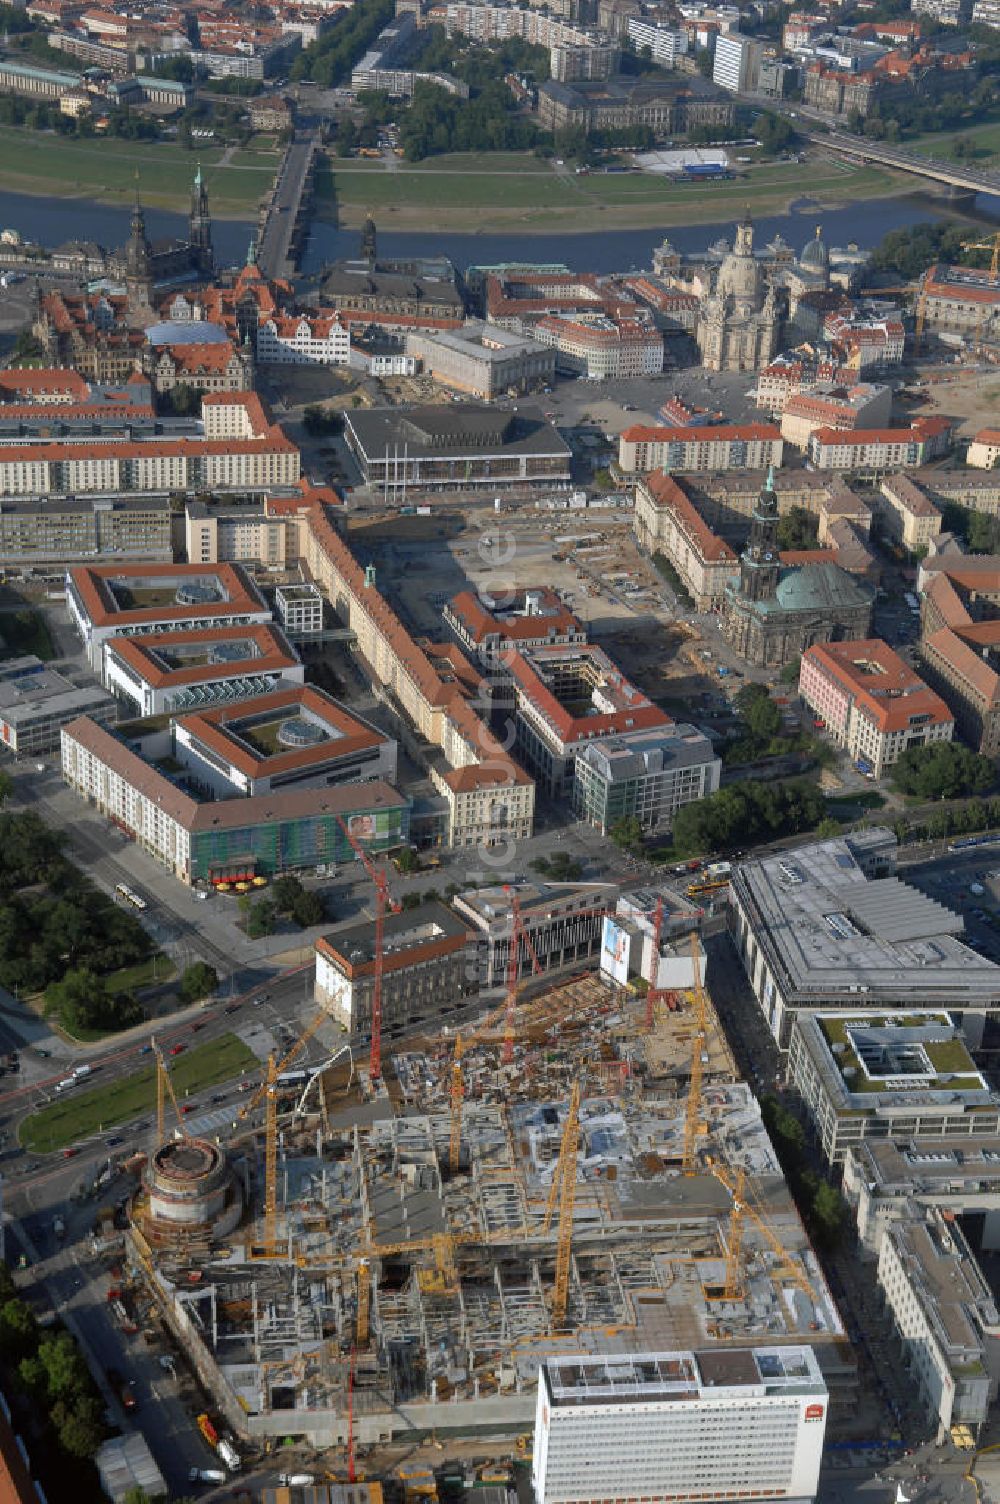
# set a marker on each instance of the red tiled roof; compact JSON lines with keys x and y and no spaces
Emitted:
{"x":91,"y":584}
{"x":949,"y":647}
{"x":47,"y":381}
{"x":638,"y":715}
{"x":141,"y":653}
{"x":665,"y":493}
{"x":886,"y":687}
{"x":212,"y":727}
{"x":481,"y":623}
{"x":721,"y":433}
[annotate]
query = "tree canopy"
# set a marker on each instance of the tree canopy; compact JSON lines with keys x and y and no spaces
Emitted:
{"x":746,"y":814}
{"x":942,"y":770}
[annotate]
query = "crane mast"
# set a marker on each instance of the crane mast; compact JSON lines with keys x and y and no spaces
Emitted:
{"x":692,"y":1117}
{"x":382,"y":898}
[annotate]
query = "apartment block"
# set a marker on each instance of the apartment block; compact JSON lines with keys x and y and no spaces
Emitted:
{"x":834,"y":406}
{"x":753,"y":446}
{"x":646,"y":778}
{"x":906,"y":513}
{"x":873,"y":451}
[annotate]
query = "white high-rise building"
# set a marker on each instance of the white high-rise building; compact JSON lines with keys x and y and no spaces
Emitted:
{"x":737,"y":62}
{"x":735,"y":1423}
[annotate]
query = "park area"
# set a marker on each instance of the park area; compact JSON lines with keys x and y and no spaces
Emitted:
{"x":109,"y":169}
{"x":486,"y":191}
{"x":80,"y":1113}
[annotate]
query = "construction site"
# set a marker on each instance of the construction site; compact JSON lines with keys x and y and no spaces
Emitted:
{"x":392,"y":1250}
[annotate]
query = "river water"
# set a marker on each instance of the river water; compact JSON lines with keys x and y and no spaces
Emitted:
{"x":52,"y":221}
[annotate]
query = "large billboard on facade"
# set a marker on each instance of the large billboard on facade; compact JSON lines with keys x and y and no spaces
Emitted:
{"x":616,"y":944}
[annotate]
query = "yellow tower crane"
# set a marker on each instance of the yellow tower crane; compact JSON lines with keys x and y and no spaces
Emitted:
{"x":562,"y":1192}
{"x":271,"y":1160}
{"x":743,"y":1207}
{"x":991,"y":244}
{"x":693,"y":1125}
{"x":165,"y":1086}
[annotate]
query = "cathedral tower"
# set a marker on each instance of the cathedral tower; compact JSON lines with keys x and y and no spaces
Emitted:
{"x":200,"y":226}
{"x":759,"y":561}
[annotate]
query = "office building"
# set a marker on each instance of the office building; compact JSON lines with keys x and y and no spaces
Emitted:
{"x":456,"y":448}
{"x":487,"y":798}
{"x":647,"y":778}
{"x":164,"y":672}
{"x":300,"y":611}
{"x":665,"y":44}
{"x":874,"y":1075}
{"x":567,"y":697}
{"x":829,"y":405}
{"x":871,"y":702}
{"x":830,"y":923}
{"x":737,"y":61}
{"x":426,"y":970}
{"x":960,"y":641}
{"x":741,"y":1423}
{"x":36,"y":702}
{"x":105,"y":600}
{"x":946,"y":1319}
{"x":55,"y":532}
{"x":893,"y":1180}
{"x":602,"y":347}
{"x":216,"y":840}
{"x":562,"y":922}
{"x":984,"y":451}
{"x":667,"y":522}
{"x":671,"y":105}
{"x":482,"y":360}
{"x":961,"y":300}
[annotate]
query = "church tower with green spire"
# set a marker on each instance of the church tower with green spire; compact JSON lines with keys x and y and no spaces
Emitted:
{"x":200,"y":226}
{"x":760,"y":565}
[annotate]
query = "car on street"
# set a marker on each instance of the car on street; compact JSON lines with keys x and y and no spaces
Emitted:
{"x":70,"y":1152}
{"x":116,"y":1138}
{"x":232,"y":1008}
{"x":197,"y":1026}
{"x":146,"y":1049}
{"x":177,"y":1049}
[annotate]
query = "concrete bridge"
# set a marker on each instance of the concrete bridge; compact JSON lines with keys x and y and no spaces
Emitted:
{"x":965,"y":181}
{"x":284,"y":218}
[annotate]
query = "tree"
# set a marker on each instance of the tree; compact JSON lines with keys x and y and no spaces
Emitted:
{"x":406,"y":860}
{"x":80,"y":1429}
{"x":199,"y":980}
{"x":798,"y":529}
{"x":308,"y":909}
{"x":827,"y":829}
{"x":942,"y":770}
{"x":827,"y":1214}
{"x":261,"y":919}
{"x":184,"y":399}
{"x":627,"y":833}
{"x":285,"y":892}
{"x":758,"y":712}
{"x":66,"y":1374}
{"x":18,"y":1329}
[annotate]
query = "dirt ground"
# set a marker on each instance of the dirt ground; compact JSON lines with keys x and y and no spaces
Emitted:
{"x":971,"y":395}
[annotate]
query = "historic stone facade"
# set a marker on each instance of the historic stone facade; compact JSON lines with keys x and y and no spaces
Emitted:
{"x":773,"y":614}
{"x":739,"y":327}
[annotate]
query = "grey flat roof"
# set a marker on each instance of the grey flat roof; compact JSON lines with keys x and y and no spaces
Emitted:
{"x":831,"y":935}
{"x":27,"y":691}
{"x":460,"y":429}
{"x":652,"y":1377}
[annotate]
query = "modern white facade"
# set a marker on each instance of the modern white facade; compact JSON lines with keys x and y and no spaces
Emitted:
{"x":737,"y":62}
{"x":300,"y":610}
{"x":665,"y":45}
{"x":736,"y":1423}
{"x":296,"y":340}
{"x":946,"y":1319}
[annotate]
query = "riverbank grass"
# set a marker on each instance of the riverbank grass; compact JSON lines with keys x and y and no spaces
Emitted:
{"x":81,"y":1113}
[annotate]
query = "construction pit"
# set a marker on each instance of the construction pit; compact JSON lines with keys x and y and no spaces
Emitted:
{"x":609,"y":1187}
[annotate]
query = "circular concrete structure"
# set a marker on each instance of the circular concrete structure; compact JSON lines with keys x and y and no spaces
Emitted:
{"x":187,"y":1180}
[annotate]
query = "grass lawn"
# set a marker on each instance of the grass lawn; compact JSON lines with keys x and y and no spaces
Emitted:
{"x":536,"y":197}
{"x":158,"y":968}
{"x":40,"y":162}
{"x":986,"y":138}
{"x":484,"y":161}
{"x":81,"y":1113}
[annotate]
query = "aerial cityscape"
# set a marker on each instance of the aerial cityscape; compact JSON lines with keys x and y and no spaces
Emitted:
{"x":500,"y":752}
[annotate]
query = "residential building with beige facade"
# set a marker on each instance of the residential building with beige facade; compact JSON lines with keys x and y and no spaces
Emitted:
{"x":906,"y":513}
{"x":831,"y":406}
{"x":984,"y":451}
{"x":751,"y":446}
{"x":489,"y":798}
{"x":667,"y":522}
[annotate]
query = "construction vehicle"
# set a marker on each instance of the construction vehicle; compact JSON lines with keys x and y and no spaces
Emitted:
{"x":383,"y":898}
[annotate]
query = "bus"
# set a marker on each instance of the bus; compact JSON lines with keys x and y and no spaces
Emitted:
{"x":696,"y":890}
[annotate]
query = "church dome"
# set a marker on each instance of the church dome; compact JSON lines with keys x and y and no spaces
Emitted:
{"x":740,"y":275}
{"x":816,"y":256}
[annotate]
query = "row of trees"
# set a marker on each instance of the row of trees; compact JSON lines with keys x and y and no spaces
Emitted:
{"x":286,"y":899}
{"x":821,"y":1206}
{"x":916,"y":115}
{"x":329,"y":60}
{"x":908,"y":252}
{"x":439,"y":122}
{"x":748,"y":814}
{"x":49,"y":1371}
{"x":58,"y":932}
